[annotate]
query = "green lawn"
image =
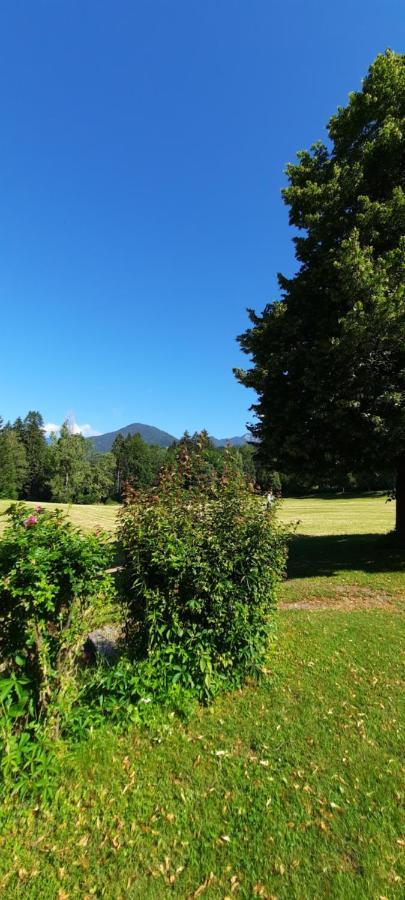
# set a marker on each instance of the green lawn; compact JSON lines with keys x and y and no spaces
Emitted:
{"x":290,"y":788}
{"x":286,"y":789}
{"x":87,"y":517}
{"x":341,"y":544}
{"x":340,"y":515}
{"x":342,"y":549}
{"x":359,"y":515}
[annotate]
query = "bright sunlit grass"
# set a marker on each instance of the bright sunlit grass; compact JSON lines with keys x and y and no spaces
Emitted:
{"x":333,"y":515}
{"x":87,"y":517}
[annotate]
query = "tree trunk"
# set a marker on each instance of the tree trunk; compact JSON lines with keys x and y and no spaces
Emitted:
{"x":400,"y":501}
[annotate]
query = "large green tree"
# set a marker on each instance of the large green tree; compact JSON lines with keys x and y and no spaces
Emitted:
{"x":78,"y":473}
{"x":68,"y":454}
{"x":329,"y":356}
{"x":136,"y":463}
{"x":13,"y":463}
{"x":30,"y":432}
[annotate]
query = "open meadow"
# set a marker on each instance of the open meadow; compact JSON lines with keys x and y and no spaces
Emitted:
{"x":340,"y":543}
{"x":287,"y":788}
{"x":84,"y":516}
{"x":315,"y":515}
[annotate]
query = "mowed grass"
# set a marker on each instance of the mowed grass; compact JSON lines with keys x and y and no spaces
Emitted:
{"x":340,"y":514}
{"x":343,"y":549}
{"x":340,"y":547}
{"x":86,"y":517}
{"x":289,"y":788}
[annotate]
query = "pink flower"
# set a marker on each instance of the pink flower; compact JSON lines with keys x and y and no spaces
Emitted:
{"x":38,"y":509}
{"x":31,"y":520}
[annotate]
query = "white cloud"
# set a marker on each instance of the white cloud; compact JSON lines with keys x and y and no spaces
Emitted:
{"x":51,"y":428}
{"x":86,"y":430}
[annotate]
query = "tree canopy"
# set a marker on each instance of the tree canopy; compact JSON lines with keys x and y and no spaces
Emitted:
{"x":329,"y":355}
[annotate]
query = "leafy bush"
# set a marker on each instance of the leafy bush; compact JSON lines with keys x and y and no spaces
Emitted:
{"x":127,"y":692}
{"x":48,"y":570}
{"x":202,"y":562}
{"x":27,"y":759}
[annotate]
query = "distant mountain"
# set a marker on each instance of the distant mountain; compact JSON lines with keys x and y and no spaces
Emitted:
{"x":232,"y":441}
{"x":103,"y":442}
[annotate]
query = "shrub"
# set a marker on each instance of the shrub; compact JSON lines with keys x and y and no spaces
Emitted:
{"x":201,"y":567}
{"x":48,"y":571}
{"x":124,"y":693}
{"x":27,"y":760}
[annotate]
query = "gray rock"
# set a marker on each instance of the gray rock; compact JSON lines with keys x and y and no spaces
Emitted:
{"x":103,"y":643}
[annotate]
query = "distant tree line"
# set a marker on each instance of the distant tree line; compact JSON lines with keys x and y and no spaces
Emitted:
{"x":66,"y":468}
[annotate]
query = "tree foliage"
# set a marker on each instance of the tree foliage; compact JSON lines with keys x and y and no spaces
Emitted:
{"x":136,"y":463}
{"x":79,"y":474}
{"x":201,"y":462}
{"x":13,"y":463}
{"x":68,"y":469}
{"x":30,"y":433}
{"x":329,"y":356}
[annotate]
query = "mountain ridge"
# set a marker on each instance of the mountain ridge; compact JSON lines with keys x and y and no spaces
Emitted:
{"x":152,"y":435}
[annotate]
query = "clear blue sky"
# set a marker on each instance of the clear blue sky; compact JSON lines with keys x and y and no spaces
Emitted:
{"x":142,"y":148}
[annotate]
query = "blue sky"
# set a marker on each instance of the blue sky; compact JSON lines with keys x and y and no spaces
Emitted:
{"x":142,"y":148}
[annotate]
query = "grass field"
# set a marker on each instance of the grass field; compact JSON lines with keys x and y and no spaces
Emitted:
{"x":340,"y":545}
{"x":87,"y":517}
{"x":290,"y":788}
{"x":359,"y":515}
{"x":342,"y":549}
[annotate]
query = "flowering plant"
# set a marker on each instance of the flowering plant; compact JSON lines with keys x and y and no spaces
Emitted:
{"x":30,"y":520}
{"x":46,"y":567}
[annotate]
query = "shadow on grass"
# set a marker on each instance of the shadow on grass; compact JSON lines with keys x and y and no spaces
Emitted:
{"x":313,"y":556}
{"x":344,"y":495}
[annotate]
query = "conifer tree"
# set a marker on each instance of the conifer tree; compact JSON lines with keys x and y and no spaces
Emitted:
{"x":31,"y":433}
{"x":13,"y":463}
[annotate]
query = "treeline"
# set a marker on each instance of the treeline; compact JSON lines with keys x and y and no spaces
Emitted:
{"x":67,"y":468}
